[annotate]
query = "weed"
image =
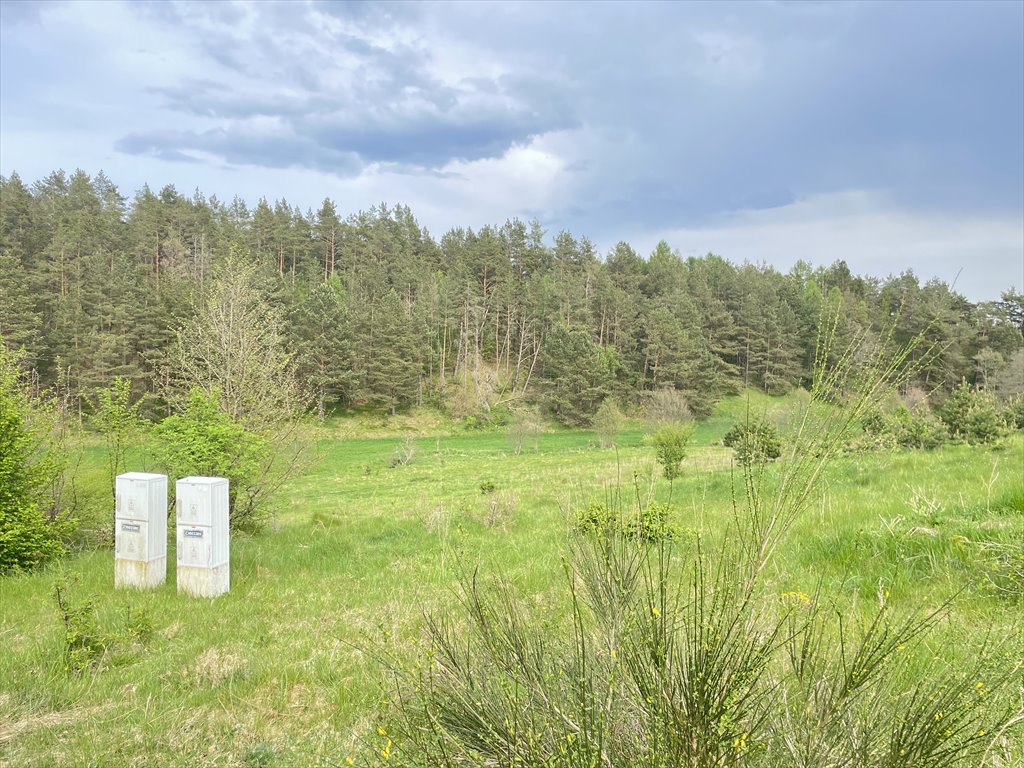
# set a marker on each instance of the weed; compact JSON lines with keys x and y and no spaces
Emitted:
{"x":403,"y":452}
{"x":500,"y":509}
{"x":84,"y":643}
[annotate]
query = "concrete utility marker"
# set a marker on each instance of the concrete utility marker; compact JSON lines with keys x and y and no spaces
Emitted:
{"x":203,"y":537}
{"x":140,"y":530}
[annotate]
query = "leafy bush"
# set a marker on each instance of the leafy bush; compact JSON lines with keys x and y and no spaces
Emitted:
{"x":204,"y":440}
{"x":30,"y":529}
{"x":917,"y":429}
{"x":755,"y":442}
{"x":651,"y":523}
{"x":670,"y":443}
{"x":907,"y":428}
{"x":85,"y":643}
{"x":972,"y":415}
{"x":1014,"y":413}
{"x":596,"y":518}
{"x":607,"y":423}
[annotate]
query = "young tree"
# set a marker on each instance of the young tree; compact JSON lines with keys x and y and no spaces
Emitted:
{"x":28,"y":536}
{"x":116,"y":416}
{"x":233,"y":345}
{"x":607,"y":423}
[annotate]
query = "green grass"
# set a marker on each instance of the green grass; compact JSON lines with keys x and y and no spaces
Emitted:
{"x":282,"y":670}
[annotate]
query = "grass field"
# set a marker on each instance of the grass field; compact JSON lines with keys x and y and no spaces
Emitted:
{"x":283,"y":671}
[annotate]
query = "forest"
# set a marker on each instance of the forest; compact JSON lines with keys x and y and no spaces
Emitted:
{"x":369,"y":309}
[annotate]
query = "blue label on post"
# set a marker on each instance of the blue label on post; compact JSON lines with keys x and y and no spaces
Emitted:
{"x":133,"y":527}
{"x":194,"y":533}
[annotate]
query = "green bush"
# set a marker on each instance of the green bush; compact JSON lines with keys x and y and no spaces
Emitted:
{"x":651,"y":523}
{"x":607,"y":423}
{"x":204,"y":440}
{"x":972,"y":415}
{"x":597,"y":518}
{"x":29,"y":536}
{"x":670,"y":443}
{"x":1014,"y":413}
{"x":755,"y":442}
{"x":85,"y":643}
{"x":917,"y":429}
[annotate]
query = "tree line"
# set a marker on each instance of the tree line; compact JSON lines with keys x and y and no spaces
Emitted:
{"x":372,"y":310}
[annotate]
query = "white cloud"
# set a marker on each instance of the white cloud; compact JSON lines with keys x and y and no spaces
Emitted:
{"x":984,"y":254}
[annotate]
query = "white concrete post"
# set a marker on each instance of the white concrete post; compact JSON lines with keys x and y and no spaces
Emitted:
{"x":140,"y":530}
{"x":203,"y":543}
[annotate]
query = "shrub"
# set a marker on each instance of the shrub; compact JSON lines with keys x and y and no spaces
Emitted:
{"x":650,"y":523}
{"x":204,"y":440}
{"x":917,"y":429}
{"x":670,"y":443}
{"x":524,"y":427}
{"x":85,"y":643}
{"x":403,"y":453}
{"x":30,"y":529}
{"x":653,"y":523}
{"x":755,"y":442}
{"x":1014,"y":413}
{"x":668,"y":406}
{"x":607,"y":423}
{"x":596,"y":518}
{"x":972,"y":415}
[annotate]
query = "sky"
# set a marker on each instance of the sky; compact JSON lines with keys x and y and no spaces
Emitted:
{"x":890,"y":135}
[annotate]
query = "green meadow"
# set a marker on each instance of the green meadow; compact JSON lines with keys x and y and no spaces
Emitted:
{"x":286,"y":669}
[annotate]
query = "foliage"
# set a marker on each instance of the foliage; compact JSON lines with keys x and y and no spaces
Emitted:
{"x":653,"y":667}
{"x":370,"y":308}
{"x":524,"y":427}
{"x":670,"y":443}
{"x":84,"y":642}
{"x":668,"y":405}
{"x":1014,"y":413}
{"x":233,"y":345}
{"x":904,"y":427}
{"x":204,"y":440}
{"x":972,"y":415}
{"x":116,"y":416}
{"x":579,"y":375}
{"x":29,"y":536}
{"x":650,"y":523}
{"x":607,"y":423}
{"x":754,"y":442}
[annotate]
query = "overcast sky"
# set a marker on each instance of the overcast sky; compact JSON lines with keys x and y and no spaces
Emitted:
{"x":890,"y":135}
